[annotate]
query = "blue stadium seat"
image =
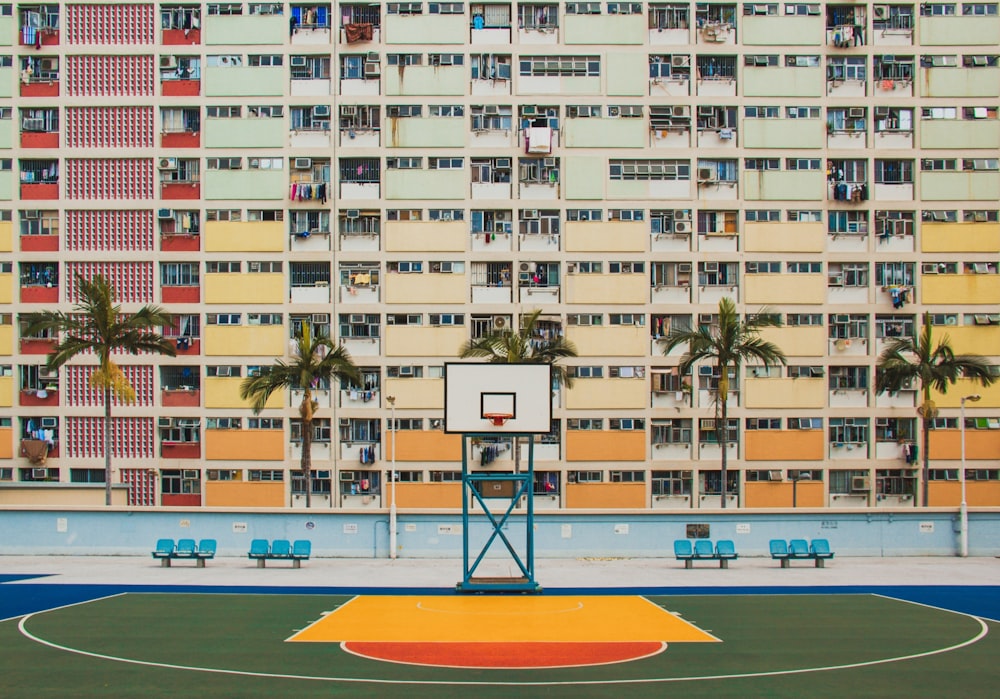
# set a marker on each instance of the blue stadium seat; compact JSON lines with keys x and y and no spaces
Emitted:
{"x":819,"y":549}
{"x":798,"y":548}
{"x":164,"y":551}
{"x":703,"y":549}
{"x":206,"y":551}
{"x":185,"y":549}
{"x":683,"y":551}
{"x":301,"y":550}
{"x":281,"y":548}
{"x":259,"y":551}
{"x":779,"y":551}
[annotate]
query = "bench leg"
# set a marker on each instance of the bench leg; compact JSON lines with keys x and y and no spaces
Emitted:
{"x":296,"y":563}
{"x":785,"y":563}
{"x":200,"y":563}
{"x":260,"y":562}
{"x":164,"y":562}
{"x":688,"y":564}
{"x":724,"y":563}
{"x":821,"y":563}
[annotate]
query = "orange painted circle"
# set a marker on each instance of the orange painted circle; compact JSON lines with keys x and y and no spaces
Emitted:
{"x":505,"y":656}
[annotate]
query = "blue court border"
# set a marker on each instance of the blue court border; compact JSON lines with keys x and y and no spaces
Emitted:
{"x":26,"y":598}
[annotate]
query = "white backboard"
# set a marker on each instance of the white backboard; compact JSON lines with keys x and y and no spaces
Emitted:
{"x":473,"y":389}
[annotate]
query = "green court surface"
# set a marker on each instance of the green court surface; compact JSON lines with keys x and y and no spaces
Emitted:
{"x":235,"y":645}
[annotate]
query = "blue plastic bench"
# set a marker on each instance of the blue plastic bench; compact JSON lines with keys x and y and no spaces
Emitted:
{"x":281,"y":548}
{"x":819,"y":550}
{"x":798,"y":549}
{"x":164,"y":551}
{"x":186,"y":548}
{"x":725,"y":551}
{"x":259,"y":551}
{"x":206,"y":551}
{"x":301,"y":550}
{"x":779,"y":551}
{"x":683,"y":551}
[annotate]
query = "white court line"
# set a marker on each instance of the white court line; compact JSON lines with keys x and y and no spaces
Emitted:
{"x":983,"y":631}
{"x":65,"y":606}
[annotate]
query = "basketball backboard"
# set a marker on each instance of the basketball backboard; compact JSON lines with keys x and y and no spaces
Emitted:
{"x":478,"y":395}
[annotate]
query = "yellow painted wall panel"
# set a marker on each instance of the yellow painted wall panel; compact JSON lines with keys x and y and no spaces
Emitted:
{"x":430,"y":445}
{"x":960,"y":237}
{"x":979,"y":444}
{"x":588,"y":445}
{"x":609,"y":496}
{"x":607,"y":394}
{"x":242,"y":494}
{"x":967,"y":387}
{"x":246,"y":445}
{"x":422,"y":341}
{"x":977,"y":493}
{"x":785,"y":393}
{"x":6,"y":391}
{"x":785,"y":445}
{"x":791,"y":236}
{"x":418,"y":394}
{"x":606,"y":236}
{"x":799,"y":340}
{"x":972,"y":289}
{"x":607,"y":288}
{"x":785,"y":289}
{"x":6,"y":340}
{"x":6,"y":442}
{"x":6,"y":236}
{"x":426,"y":495}
{"x":426,"y":288}
{"x":426,"y":236}
{"x":6,"y":288}
{"x":974,"y":339}
{"x":245,"y":236}
{"x":244,"y":288}
{"x":224,"y":392}
{"x":66,"y":495}
{"x":784,"y":133}
{"x":253,"y":341}
{"x":602,"y":341}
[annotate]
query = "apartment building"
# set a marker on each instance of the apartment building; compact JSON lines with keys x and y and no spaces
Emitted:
{"x":407,"y":175}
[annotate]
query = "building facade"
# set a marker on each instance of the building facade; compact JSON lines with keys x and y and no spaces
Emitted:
{"x":404,"y":176}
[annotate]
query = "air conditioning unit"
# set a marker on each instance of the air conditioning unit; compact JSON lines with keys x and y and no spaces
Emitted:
{"x":681,"y":110}
{"x":706,"y":111}
{"x":253,"y":266}
{"x":298,"y":61}
{"x":406,"y":371}
{"x":372,"y":57}
{"x":320,"y":318}
{"x":491,"y":109}
{"x":39,"y":473}
{"x":168,"y":163}
{"x":344,"y":422}
{"x":525,"y":267}
{"x":680,"y":61}
{"x":164,"y":213}
{"x":372,"y":70}
{"x":346,"y":110}
{"x":529,"y":213}
{"x":302,"y":163}
{"x":352,"y":214}
{"x":929,"y":268}
{"x":49,"y":422}
{"x":347,"y":476}
{"x":168,"y":62}
{"x":859,"y":483}
{"x":706,"y":174}
{"x":502,"y":163}
{"x":880,"y":12}
{"x":223,"y":370}
{"x":321,"y":110}
{"x":32,"y":214}
{"x":856,"y":112}
{"x":614,"y":111}
{"x":529,"y":110}
{"x":570,"y":268}
{"x":881,"y":111}
{"x":499,"y":322}
{"x":165,"y":422}
{"x":705,"y":370}
{"x":774,"y":475}
{"x":548,"y":162}
{"x":48,"y":374}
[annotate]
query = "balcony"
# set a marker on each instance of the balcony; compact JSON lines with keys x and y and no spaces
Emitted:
{"x":180,"y":450}
{"x":180,"y":294}
{"x":181,"y":397}
{"x":34,"y":397}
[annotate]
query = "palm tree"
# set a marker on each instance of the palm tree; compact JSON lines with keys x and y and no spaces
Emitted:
{"x":907,"y":360}
{"x":728,"y":346}
{"x":97,"y":325}
{"x":509,"y":346}
{"x":314,"y":360}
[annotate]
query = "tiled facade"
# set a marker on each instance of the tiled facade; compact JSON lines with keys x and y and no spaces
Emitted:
{"x":409,"y":175}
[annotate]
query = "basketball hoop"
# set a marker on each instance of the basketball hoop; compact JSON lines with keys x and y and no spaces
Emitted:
{"x":498,"y":419}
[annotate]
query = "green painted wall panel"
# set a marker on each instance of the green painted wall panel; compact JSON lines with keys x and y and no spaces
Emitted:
{"x":777,"y":186}
{"x":243,"y":30}
{"x":604,"y":29}
{"x":425,"y":80}
{"x":6,"y":186}
{"x":7,"y":77}
{"x":244,"y":133}
{"x":793,"y":30}
{"x":425,"y":184}
{"x":605,"y":133}
{"x":244,"y":81}
{"x":244,"y":184}
{"x":960,"y":186}
{"x":584,"y":176}
{"x":437,"y":132}
{"x":783,"y":82}
{"x":627,"y":74}
{"x":425,"y":29}
{"x":784,"y":133}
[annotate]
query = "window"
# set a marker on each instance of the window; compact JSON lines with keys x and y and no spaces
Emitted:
{"x":893,"y":171}
{"x":223,"y":319}
{"x":560,"y":66}
{"x":804,"y":267}
{"x":445,"y":59}
{"x":761,"y":112}
{"x":264,"y":60}
{"x":404,"y":164}
{"x":586,"y":372}
{"x":650,"y":169}
{"x":763,"y":267}
{"x":709,"y":434}
{"x":179,"y":274}
{"x":802,"y":61}
{"x":446,"y":163}
{"x":593,"y":424}
{"x":848,"y":430}
{"x":848,"y":378}
{"x":446,"y":8}
{"x":224,"y":164}
{"x":979,"y":9}
{"x":805,"y":372}
{"x":404,"y":8}
{"x":763,"y":423}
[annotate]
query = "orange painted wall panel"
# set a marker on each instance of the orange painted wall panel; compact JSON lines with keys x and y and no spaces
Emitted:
{"x":587,"y":445}
{"x":248,"y":445}
{"x":426,"y":495}
{"x":6,"y":443}
{"x":781,"y":445}
{"x":238,"y":494}
{"x":977,"y":493}
{"x":424,"y":446}
{"x":763,"y":494}
{"x":979,"y":444}
{"x":606,"y":495}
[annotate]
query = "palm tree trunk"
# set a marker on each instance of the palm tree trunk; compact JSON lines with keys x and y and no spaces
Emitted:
{"x":107,"y":445}
{"x":723,"y":436}
{"x":307,"y":437}
{"x":927,"y":460}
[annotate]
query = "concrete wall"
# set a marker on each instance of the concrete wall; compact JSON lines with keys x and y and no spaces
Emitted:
{"x":439,"y":535}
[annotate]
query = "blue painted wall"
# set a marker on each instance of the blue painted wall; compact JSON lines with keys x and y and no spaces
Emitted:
{"x":567,"y":535}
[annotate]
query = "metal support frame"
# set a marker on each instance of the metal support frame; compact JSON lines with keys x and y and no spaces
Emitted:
{"x":523,"y":487}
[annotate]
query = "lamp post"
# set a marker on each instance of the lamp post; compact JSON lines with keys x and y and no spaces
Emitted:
{"x":392,"y":479}
{"x":963,"y":508}
{"x":799,"y":476}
